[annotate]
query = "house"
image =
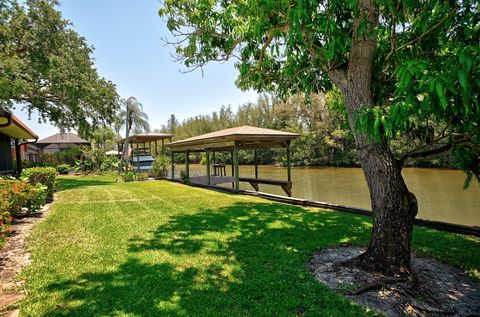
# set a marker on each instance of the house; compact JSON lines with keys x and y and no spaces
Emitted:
{"x":28,"y":152}
{"x":59,"y":142}
{"x":13,"y":132}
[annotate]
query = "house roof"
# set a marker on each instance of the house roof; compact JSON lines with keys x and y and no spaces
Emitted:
{"x":63,"y":138}
{"x":246,"y":137}
{"x":146,"y":137}
{"x":13,"y":127}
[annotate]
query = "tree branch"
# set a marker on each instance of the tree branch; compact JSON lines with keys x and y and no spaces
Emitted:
{"x":269,"y":39}
{"x":438,"y":150}
{"x":417,"y":39}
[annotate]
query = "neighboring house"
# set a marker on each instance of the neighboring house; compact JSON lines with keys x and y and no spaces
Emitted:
{"x":59,"y":142}
{"x":28,"y":152}
{"x":13,"y":133}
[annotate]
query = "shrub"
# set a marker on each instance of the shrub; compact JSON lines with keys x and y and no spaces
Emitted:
{"x":42,"y":175}
{"x":63,"y":169}
{"x":160,"y":167}
{"x":5,"y":219}
{"x":110,"y":163}
{"x":141,"y":176}
{"x":94,"y":160}
{"x":19,"y":196}
{"x":128,"y":176}
{"x":184,"y":178}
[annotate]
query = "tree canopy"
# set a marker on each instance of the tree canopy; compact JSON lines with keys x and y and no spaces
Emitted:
{"x":48,"y":67}
{"x":402,"y":67}
{"x":425,"y":75}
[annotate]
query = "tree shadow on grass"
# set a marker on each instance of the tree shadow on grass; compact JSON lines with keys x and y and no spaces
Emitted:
{"x":74,"y":182}
{"x":246,"y":259}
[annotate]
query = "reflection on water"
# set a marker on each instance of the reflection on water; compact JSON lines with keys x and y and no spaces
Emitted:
{"x":439,"y":192}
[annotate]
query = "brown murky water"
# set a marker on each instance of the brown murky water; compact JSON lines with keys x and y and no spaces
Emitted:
{"x":439,"y":192}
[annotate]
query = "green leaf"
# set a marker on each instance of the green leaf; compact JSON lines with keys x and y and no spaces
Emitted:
{"x":462,"y":78}
{"x":376,"y":129}
{"x":441,"y":95}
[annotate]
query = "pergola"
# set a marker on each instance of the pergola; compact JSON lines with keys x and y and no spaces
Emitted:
{"x":144,"y":139}
{"x":232,"y":140}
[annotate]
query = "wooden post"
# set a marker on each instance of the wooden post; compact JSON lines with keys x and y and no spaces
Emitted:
{"x":187,"y":165}
{"x":138,"y":153}
{"x":233,"y":168}
{"x":173,"y":165}
{"x":18,"y":157}
{"x":207,"y":154}
{"x":235,"y":164}
{"x":289,"y":168}
{"x":156,"y":148}
{"x":213,"y":164}
{"x":163,"y":146}
{"x":256,"y":163}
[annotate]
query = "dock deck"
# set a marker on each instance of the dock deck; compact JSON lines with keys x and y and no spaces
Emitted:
{"x":214,"y":180}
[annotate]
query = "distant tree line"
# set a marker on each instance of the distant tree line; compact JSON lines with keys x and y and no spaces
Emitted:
{"x":320,"y":118}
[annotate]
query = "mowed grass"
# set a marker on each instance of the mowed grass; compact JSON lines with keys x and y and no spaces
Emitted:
{"x":163,"y":249}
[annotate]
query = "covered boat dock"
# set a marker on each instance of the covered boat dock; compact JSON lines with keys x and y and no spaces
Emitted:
{"x":146,"y":143}
{"x":232,"y":140}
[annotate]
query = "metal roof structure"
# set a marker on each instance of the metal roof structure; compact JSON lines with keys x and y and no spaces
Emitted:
{"x":244,"y":137}
{"x":145,"y":138}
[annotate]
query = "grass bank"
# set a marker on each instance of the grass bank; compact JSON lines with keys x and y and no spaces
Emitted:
{"x":158,"y":248}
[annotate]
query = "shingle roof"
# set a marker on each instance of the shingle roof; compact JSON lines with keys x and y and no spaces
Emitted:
{"x":63,"y":138}
{"x":249,"y":136}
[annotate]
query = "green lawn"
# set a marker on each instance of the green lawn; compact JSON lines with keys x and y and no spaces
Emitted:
{"x":158,"y":248}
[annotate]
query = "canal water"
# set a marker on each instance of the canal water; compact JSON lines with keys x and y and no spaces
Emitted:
{"x":439,"y":192}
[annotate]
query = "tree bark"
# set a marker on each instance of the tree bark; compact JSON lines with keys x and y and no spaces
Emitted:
{"x":394,"y":207}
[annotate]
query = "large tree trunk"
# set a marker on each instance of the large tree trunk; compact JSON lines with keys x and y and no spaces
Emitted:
{"x":394,"y":207}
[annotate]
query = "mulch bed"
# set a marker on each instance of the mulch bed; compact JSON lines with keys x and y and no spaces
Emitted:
{"x":14,"y":257}
{"x":444,"y":290}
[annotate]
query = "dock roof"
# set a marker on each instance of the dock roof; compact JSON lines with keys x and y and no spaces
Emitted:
{"x":145,"y":137}
{"x":246,"y":137}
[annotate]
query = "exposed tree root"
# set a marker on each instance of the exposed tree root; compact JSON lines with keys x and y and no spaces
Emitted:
{"x":429,"y":288}
{"x":382,"y":282}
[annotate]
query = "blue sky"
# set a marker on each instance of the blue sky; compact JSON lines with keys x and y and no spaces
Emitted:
{"x":129,"y":51}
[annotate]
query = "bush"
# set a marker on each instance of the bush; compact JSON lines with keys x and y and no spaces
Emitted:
{"x":110,"y":163}
{"x":42,"y":175}
{"x":94,"y":160}
{"x":63,"y":169}
{"x":5,"y":219}
{"x":160,"y":167}
{"x":184,"y":178}
{"x":141,"y":176}
{"x":19,"y":196}
{"x":128,"y":176}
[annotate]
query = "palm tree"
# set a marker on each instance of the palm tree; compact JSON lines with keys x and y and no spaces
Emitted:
{"x":138,"y":120}
{"x":133,"y":115}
